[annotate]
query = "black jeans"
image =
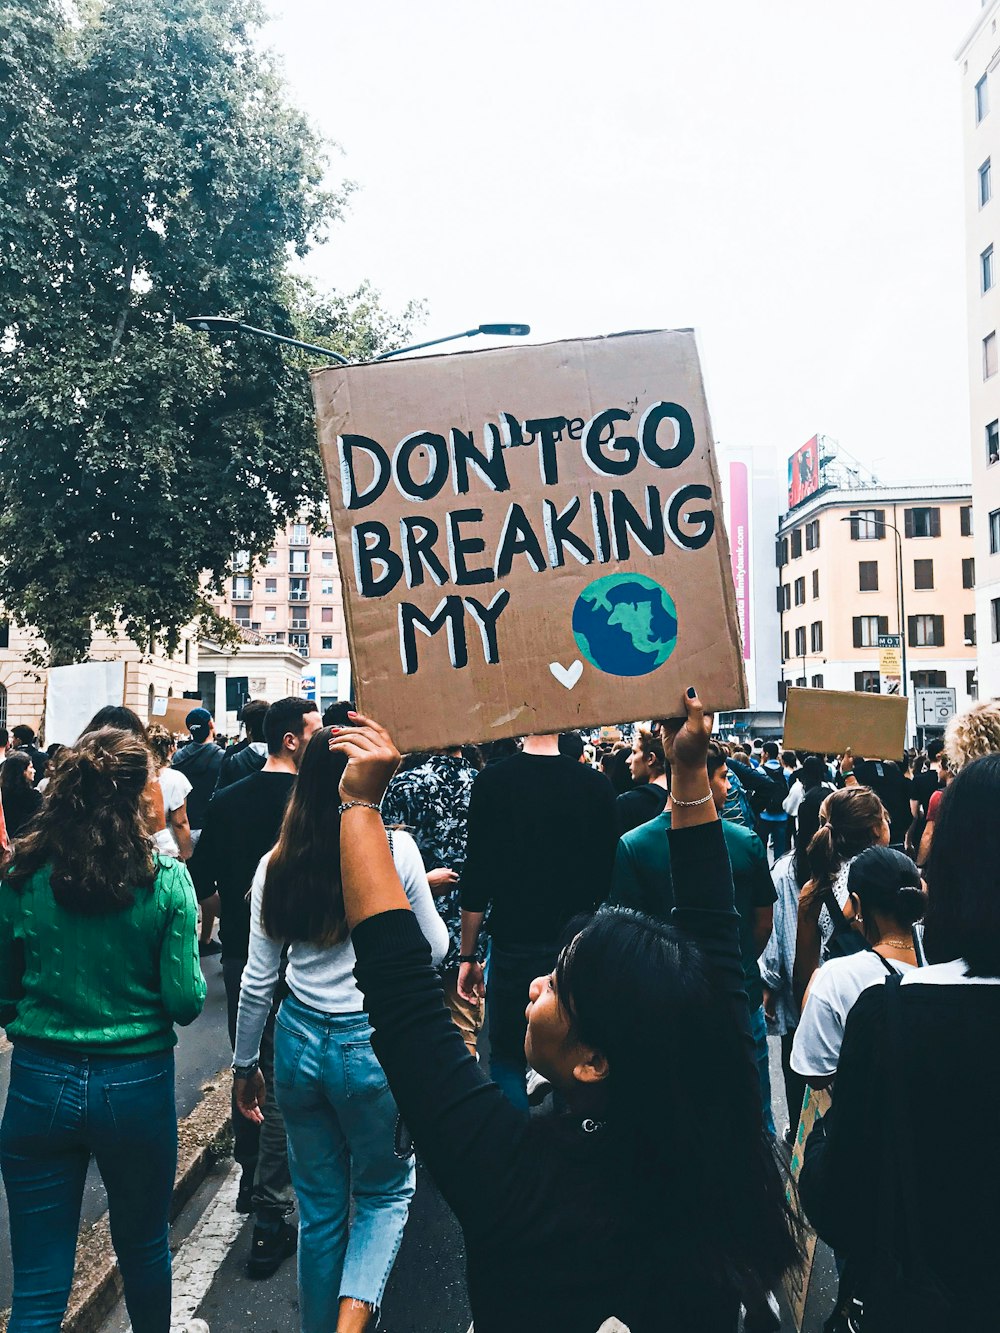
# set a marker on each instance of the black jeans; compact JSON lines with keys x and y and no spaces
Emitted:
{"x":512,"y":970}
{"x":261,"y":1150}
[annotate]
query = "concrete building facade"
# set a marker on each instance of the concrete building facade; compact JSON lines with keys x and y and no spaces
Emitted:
{"x":838,"y":587}
{"x":294,"y":600}
{"x":979,"y":60}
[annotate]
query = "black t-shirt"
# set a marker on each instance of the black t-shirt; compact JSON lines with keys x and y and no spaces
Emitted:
{"x":541,"y":846}
{"x":924,"y":785}
{"x":888,"y":782}
{"x":241,"y":824}
{"x":639,"y":806}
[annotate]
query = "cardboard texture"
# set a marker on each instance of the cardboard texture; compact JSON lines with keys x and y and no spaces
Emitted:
{"x":530,"y":539}
{"x":170,"y":713}
{"x":872,"y":726}
{"x":815,"y":1105}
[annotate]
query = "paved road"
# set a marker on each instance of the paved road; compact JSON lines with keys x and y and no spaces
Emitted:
{"x":202,"y":1050}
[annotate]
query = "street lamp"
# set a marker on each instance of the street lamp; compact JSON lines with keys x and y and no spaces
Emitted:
{"x":900,"y":603}
{"x":225,"y":324}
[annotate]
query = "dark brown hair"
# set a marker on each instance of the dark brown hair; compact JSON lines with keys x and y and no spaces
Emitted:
{"x":303,"y":897}
{"x":651,"y":745}
{"x":852,"y":816}
{"x":92,"y":832}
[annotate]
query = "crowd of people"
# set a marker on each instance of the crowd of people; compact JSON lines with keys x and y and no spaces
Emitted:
{"x":630,"y":913}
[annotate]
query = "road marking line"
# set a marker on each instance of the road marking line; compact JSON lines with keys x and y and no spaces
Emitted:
{"x":198,"y":1260}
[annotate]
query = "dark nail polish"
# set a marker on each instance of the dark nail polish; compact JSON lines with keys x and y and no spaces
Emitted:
{"x":692,"y":692}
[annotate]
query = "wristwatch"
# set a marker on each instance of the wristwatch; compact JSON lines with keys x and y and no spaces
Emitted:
{"x":469,"y":958}
{"x":246,"y":1071}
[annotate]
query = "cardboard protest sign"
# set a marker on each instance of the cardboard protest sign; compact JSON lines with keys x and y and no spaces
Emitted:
{"x":530,"y":539}
{"x":872,"y":726}
{"x":170,"y":713}
{"x":815,"y":1105}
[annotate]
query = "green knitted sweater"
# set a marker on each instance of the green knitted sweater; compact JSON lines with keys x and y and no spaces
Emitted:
{"x":108,"y":985}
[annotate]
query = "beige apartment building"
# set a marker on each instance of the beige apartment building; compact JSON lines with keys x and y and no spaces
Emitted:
{"x":979,"y":58}
{"x":838,"y":588}
{"x":294,"y":600}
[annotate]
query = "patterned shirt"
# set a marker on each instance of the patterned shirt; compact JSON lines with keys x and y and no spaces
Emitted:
{"x":432,"y":802}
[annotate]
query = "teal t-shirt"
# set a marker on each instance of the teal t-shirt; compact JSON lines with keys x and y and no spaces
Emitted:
{"x":642,"y":881}
{"x":113,"y":984}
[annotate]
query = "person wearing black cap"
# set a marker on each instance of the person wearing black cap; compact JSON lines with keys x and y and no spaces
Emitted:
{"x":200,"y":762}
{"x":886,"y":899}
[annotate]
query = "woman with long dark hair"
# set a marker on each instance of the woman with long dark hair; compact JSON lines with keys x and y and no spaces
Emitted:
{"x":21,"y":800}
{"x":654,"y":1196}
{"x":892,"y":1178}
{"x":339,"y":1114}
{"x":98,"y":961}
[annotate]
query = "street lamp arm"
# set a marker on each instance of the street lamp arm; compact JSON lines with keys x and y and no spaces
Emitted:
{"x":497,"y":330}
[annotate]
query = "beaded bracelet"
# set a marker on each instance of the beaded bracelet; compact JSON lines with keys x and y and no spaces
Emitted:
{"x":360,"y":805}
{"x":702,"y":800}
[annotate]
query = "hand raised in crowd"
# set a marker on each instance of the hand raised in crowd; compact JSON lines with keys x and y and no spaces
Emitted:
{"x":685,"y":739}
{"x":251,"y":1094}
{"x":372,"y":758}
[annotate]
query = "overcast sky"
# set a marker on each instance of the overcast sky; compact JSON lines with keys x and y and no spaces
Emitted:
{"x":783,"y":175}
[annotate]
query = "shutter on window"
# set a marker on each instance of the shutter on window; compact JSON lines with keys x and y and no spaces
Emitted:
{"x":911,"y":630}
{"x":857,"y":632}
{"x":908,"y":522}
{"x":939,"y":631}
{"x":883,"y":624}
{"x":880,"y":526}
{"x":935,"y":522}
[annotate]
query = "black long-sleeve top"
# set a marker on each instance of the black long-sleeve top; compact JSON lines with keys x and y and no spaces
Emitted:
{"x":552,"y":1235}
{"x":947,"y":1077}
{"x":541,"y":846}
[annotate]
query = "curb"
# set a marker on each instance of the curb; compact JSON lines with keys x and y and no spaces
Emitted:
{"x":96,"y":1282}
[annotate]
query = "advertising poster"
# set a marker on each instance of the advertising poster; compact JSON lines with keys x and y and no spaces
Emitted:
{"x":739,"y":543}
{"x":890,"y":663}
{"x":803,"y":473}
{"x":530,"y":539}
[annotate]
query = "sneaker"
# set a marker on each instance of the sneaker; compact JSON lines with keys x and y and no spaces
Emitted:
{"x":190,"y":1326}
{"x":270,"y":1247}
{"x":210,"y":949}
{"x":244,"y":1199}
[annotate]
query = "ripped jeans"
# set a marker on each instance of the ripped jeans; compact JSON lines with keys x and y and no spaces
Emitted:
{"x":340,"y":1118}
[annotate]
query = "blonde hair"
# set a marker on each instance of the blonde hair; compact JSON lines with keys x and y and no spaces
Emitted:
{"x":972,"y":734}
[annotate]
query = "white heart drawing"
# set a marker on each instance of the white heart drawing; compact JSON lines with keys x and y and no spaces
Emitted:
{"x":567,"y":676}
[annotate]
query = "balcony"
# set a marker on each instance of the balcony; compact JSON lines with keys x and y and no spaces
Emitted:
{"x":302,"y":625}
{"x":298,"y":538}
{"x":298,"y":594}
{"x":298,"y":569}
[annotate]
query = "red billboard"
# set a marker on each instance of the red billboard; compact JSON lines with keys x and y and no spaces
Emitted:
{"x":803,"y":473}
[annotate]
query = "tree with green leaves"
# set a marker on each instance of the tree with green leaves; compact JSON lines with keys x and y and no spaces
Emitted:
{"x":152,"y":167}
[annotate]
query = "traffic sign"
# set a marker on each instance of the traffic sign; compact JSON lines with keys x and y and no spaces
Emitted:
{"x":935,"y":706}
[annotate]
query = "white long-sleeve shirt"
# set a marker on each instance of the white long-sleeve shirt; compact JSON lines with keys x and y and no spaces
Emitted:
{"x":322,"y":977}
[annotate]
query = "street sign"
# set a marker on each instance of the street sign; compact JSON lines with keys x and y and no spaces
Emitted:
{"x":890,"y":663}
{"x":935,"y":707}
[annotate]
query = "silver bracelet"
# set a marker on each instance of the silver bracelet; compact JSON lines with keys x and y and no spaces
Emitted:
{"x":359,"y":805}
{"x":688,"y":805}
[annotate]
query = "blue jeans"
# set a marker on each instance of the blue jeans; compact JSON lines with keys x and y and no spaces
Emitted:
{"x":780,"y":834}
{"x":340,"y":1118}
{"x":758,"y":1031}
{"x":61,"y":1109}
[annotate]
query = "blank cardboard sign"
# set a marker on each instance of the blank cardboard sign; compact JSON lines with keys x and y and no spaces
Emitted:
{"x":873,"y":726}
{"x":530,"y":539}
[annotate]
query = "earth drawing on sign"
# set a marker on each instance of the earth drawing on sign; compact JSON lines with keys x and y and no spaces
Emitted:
{"x":625,"y":624}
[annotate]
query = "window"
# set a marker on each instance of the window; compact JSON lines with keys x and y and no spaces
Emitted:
{"x":271,"y":560}
{"x":923,"y":574}
{"x":982,"y":99}
{"x":925,"y":631}
{"x":816,"y":636}
{"x":815,"y":584}
{"x":241,"y":561}
{"x":242,"y":588}
{"x":868,"y":576}
{"x":924,"y":522}
{"x":972,"y":685}
{"x":787,"y":654}
{"x":929,"y":680}
{"x":326,"y":615}
{"x":4,"y":637}
{"x":801,"y":682}
{"x":300,"y":534}
{"x":326,"y":587}
{"x":986,"y":269}
{"x":867,"y":682}
{"x":783,"y":691}
{"x":241,"y":614}
{"x":989,"y":355}
{"x":298,"y":562}
{"x":326,"y":643}
{"x":985,"y":184}
{"x":271,"y":585}
{"x":298,"y":590}
{"x":812,"y":535}
{"x":968,"y":573}
{"x":868,"y":628}
{"x":327,"y":558}
{"x":867,"y":525}
{"x":300,"y":642}
{"x":800,"y":592}
{"x":781,"y":552}
{"x":817,"y":682}
{"x":966,"y":516}
{"x":780,"y":599}
{"x":970,"y":630}
{"x":796,"y":543}
{"x":299,"y":619}
{"x":800,"y":641}
{"x":992,"y":443}
{"x":995,"y":619}
{"x":995,"y":532}
{"x":270,"y":613}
